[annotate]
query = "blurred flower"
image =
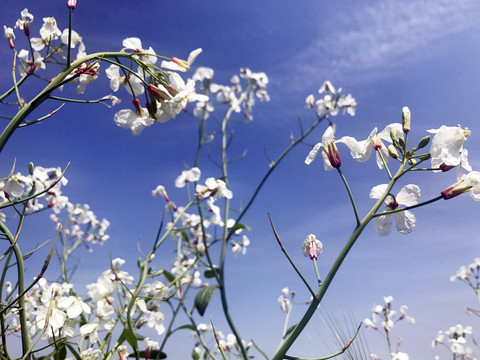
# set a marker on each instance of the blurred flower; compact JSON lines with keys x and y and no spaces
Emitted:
{"x":9,"y":35}
{"x":399,"y":356}
{"x":24,"y":21}
{"x":215,"y":188}
{"x":240,"y":247}
{"x":312,"y":247}
{"x":177,"y":64}
{"x":190,"y":175}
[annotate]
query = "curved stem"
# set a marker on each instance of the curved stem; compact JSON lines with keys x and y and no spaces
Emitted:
{"x":21,"y":287}
{"x":44,"y":94}
{"x":350,"y":195}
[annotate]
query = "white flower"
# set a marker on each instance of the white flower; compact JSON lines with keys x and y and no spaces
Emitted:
{"x":403,"y":310}
{"x":240,"y":247}
{"x":73,"y":306}
{"x":447,"y":146}
{"x":462,"y":274}
{"x":135,"y":44}
{"x":75,"y":39}
{"x":312,"y":247}
{"x":215,"y":188}
{"x":181,"y":65}
{"x":129,"y":119}
{"x":48,"y":32}
{"x":90,"y":330}
{"x":29,"y":66}
{"x":361,"y":150}
{"x":131,"y":82}
{"x":309,"y":101}
{"x":155,"y":319}
{"x":23,"y":23}
{"x":190,"y":175}
{"x":330,"y":155}
{"x":183,"y":94}
{"x":405,"y":221}
{"x":348,"y":104}
{"x":399,"y":356}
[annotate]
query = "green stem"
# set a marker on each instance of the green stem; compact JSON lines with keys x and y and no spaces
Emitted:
{"x":409,"y":207}
{"x":350,"y":195}
{"x":21,"y":287}
{"x":226,"y":234}
{"x":45,"y":93}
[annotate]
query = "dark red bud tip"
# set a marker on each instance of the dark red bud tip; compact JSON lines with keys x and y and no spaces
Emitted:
{"x":445,"y":168}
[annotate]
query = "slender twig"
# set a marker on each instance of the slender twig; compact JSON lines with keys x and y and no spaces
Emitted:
{"x":289,"y":258}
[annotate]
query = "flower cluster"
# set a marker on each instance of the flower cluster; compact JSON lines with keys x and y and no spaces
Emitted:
{"x":455,"y":339}
{"x":388,"y":318}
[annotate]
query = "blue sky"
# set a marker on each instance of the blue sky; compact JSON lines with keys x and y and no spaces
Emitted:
{"x":387,"y":54}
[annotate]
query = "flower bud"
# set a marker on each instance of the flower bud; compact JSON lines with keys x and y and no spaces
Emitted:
{"x":159,"y":92}
{"x":333,"y":155}
{"x":469,"y":182}
{"x":424,"y":156}
{"x":393,"y":134}
{"x":406,"y":119}
{"x":401,"y":142}
{"x":424,"y":142}
{"x":412,"y":161}
{"x":392,"y":151}
{"x":30,"y":168}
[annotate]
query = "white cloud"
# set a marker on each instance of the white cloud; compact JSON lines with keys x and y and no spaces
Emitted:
{"x":387,"y":34}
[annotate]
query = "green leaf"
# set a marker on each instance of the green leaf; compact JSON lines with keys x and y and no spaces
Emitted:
{"x":60,"y":353}
{"x":72,"y":350}
{"x":131,"y":338}
{"x":168,"y":275}
{"x":188,"y":327}
{"x":210,"y":273}
{"x":203,"y":298}
{"x":237,"y":226}
{"x":290,"y":329}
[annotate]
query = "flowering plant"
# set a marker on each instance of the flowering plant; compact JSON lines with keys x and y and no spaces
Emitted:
{"x":119,"y":314}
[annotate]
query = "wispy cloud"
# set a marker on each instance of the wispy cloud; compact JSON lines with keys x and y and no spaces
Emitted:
{"x":387,"y":34}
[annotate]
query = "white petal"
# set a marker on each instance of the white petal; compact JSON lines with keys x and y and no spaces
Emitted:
{"x":177,"y":81}
{"x":405,"y":222}
{"x":313,"y":154}
{"x":360,"y":150}
{"x":378,"y":191}
{"x":132,"y":43}
{"x":193,"y":55}
{"x":385,"y":133}
{"x":326,"y":162}
{"x":409,"y":195}
{"x":383,"y":224}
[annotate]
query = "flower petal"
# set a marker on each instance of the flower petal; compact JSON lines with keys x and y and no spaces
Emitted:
{"x":313,"y":154}
{"x":409,"y":195}
{"x":405,"y":222}
{"x":383,"y":224}
{"x":378,"y":191}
